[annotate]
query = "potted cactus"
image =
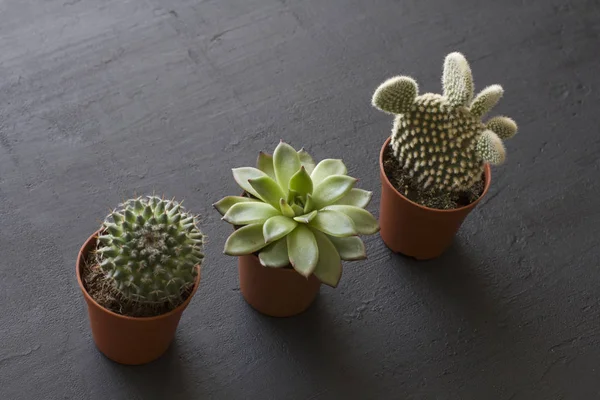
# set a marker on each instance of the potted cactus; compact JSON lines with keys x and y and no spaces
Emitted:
{"x":294,"y":224}
{"x":138,"y":273}
{"x":435,"y":167}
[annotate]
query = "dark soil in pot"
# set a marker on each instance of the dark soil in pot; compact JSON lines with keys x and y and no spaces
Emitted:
{"x":411,"y":189}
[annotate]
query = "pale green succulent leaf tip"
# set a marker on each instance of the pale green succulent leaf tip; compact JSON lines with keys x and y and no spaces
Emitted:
{"x":244,"y":174}
{"x":364,"y":222}
{"x":223,"y":205}
{"x":306,"y":160}
{"x":356,"y":197}
{"x":332,"y":188}
{"x":301,"y":183}
{"x":275,"y":255}
{"x":265,"y":164}
{"x":286,"y":163}
{"x":306,"y":218}
{"x":286,"y":209}
{"x":267,"y":189}
{"x":277,"y":227}
{"x":334,"y":223}
{"x":329,"y":265}
{"x":327,"y":168}
{"x":303,"y":250}
{"x":246,"y":213}
{"x":350,"y":248}
{"x":245,"y":240}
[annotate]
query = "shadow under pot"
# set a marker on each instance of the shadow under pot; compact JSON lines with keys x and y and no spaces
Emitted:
{"x":415,"y":230}
{"x":123,"y":339}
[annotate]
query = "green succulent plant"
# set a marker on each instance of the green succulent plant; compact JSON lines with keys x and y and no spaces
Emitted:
{"x":440,"y":139}
{"x":149,"y":248}
{"x":298,"y":213}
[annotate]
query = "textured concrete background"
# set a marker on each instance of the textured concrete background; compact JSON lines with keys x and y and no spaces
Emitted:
{"x":101,"y":99}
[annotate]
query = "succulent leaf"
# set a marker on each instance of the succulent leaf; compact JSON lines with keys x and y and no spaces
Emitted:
{"x":332,"y":189}
{"x":327,"y":168}
{"x":285,"y":208}
{"x":298,"y":210}
{"x":286,"y":163}
{"x":301,"y":183}
{"x":265,"y":164}
{"x":277,"y":227}
{"x":364,"y":222}
{"x":306,"y":218}
{"x":356,"y":197}
{"x":306,"y":161}
{"x":329,"y":265}
{"x":267,"y":189}
{"x":334,"y":223}
{"x":244,"y":174}
{"x":303,"y":250}
{"x":250,"y":213}
{"x":350,"y":248}
{"x":226,"y":203}
{"x":275,"y":255}
{"x":309,"y":205}
{"x":245,"y":240}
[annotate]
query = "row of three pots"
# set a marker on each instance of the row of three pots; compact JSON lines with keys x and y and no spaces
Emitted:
{"x":406,"y":228}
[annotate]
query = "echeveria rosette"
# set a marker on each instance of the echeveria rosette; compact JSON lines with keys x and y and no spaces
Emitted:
{"x":440,"y":139}
{"x":149,"y":248}
{"x":298,"y":212}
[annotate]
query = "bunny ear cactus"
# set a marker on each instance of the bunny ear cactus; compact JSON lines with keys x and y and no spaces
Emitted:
{"x":440,"y":139}
{"x":298,"y":212}
{"x":149,"y":249}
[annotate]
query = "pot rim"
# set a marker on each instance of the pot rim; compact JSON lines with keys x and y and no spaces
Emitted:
{"x":488,"y":181}
{"x":90,"y":300}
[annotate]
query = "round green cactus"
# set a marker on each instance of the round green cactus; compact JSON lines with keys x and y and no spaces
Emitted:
{"x":149,"y":249}
{"x":440,"y":139}
{"x":298,"y":213}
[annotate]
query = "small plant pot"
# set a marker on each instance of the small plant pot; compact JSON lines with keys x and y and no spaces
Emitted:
{"x":277,"y":292}
{"x":415,"y":230}
{"x":129,"y":340}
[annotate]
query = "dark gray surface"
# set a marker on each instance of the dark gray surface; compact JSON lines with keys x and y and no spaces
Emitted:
{"x":101,"y":99}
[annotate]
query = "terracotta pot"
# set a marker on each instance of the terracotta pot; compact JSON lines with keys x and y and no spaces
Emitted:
{"x":277,"y":292}
{"x":129,"y":340}
{"x":415,"y":230}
